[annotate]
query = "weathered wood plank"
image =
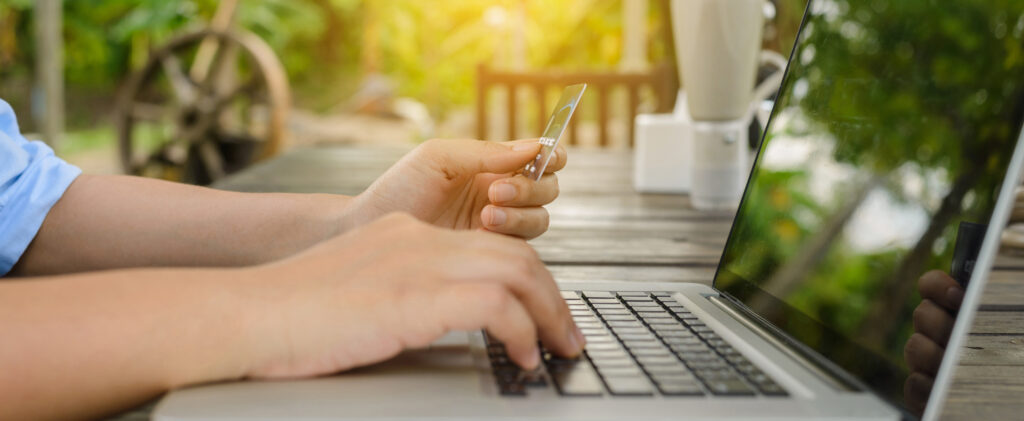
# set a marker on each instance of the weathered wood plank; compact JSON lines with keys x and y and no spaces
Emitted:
{"x":999,"y":350}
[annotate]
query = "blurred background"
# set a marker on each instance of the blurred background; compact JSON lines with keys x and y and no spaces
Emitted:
{"x":357,"y":72}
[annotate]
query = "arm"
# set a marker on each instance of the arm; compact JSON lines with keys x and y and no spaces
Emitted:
{"x":81,"y":346}
{"x":107,"y":222}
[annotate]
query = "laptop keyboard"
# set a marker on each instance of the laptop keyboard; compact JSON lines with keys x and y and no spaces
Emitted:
{"x":638,"y":344}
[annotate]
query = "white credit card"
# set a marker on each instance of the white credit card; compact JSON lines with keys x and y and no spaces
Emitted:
{"x":556,"y":126}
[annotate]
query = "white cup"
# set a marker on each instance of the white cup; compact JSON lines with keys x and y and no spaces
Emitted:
{"x":717,"y":45}
{"x":720,"y":164}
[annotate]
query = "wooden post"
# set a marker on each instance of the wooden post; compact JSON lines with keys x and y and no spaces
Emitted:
{"x":634,"y":104}
{"x":634,"y":35}
{"x":602,"y":114}
{"x":481,"y":101}
{"x":542,"y":107}
{"x":512,"y":110}
{"x":50,"y":68}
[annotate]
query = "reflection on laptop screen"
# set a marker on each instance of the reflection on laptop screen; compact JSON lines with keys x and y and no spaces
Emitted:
{"x":890,"y":139}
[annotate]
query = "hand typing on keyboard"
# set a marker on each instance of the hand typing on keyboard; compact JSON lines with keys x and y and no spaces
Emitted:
{"x":638,"y":343}
{"x":399,"y":283}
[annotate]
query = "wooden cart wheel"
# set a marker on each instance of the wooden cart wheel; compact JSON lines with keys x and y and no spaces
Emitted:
{"x":195,"y":118}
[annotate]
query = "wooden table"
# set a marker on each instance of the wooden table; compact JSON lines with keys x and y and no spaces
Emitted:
{"x":602,"y":230}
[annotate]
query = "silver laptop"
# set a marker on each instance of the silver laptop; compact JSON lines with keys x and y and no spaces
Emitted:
{"x":892,"y":151}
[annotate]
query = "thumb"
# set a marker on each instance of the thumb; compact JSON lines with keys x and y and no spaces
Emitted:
{"x":470,"y":157}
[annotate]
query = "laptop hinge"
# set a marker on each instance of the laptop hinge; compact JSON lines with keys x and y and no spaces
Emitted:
{"x":837,"y":383}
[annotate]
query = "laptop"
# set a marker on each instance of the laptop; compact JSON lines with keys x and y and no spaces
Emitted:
{"x":893,"y":150}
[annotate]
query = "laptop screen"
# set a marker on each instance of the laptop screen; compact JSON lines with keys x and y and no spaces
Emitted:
{"x":885,"y":154}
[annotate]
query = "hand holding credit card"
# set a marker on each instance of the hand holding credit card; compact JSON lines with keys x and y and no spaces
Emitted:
{"x":556,"y":126}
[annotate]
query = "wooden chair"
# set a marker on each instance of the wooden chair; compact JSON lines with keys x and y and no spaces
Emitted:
{"x":660,"y":79}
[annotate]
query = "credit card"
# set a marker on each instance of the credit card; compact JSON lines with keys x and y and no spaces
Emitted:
{"x":556,"y":126}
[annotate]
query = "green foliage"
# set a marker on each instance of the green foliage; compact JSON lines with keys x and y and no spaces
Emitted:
{"x":429,"y":48}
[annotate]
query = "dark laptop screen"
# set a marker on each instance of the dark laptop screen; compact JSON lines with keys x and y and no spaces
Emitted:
{"x":886,"y":151}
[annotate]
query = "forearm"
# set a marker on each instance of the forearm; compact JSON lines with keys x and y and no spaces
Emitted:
{"x":106,"y":222}
{"x":81,"y":346}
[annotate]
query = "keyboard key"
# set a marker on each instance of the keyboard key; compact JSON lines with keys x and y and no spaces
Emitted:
{"x":631,"y":370}
{"x":657,"y":360}
{"x":630,"y":330}
{"x":609,"y":306}
{"x":605,"y":363}
{"x":636,"y":337}
{"x":590,"y":325}
{"x":708,"y":374}
{"x":665,"y":334}
{"x":616,"y":324}
{"x":632,"y":294}
{"x":620,"y":318}
{"x":772,"y":389}
{"x":597,"y":301}
{"x":662,"y":294}
{"x":598,"y":294}
{"x":680,"y":388}
{"x":661,"y":373}
{"x":570,"y":294}
{"x":644,"y":344}
{"x":601,"y":339}
{"x":586,"y":312}
{"x":606,"y":354}
{"x":632,"y":385}
{"x":613,"y":312}
{"x":580,"y":381}
{"x":602,"y":346}
{"x":734,"y":387}
{"x":594,"y":332}
{"x":651,"y":352}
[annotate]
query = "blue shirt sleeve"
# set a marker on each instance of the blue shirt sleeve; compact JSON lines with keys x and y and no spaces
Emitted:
{"x":32,"y":179}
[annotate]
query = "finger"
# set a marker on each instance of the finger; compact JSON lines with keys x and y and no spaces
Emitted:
{"x":470,"y":306}
{"x":470,"y":157}
{"x":916,"y":391}
{"x":923,"y":355}
{"x":515,"y":264}
{"x":524,"y":223}
{"x":558,"y":160}
{"x":522,"y":191}
{"x":933,"y":321}
{"x":939,"y":287}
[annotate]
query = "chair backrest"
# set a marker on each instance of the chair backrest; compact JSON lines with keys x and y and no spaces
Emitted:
{"x":661,"y":79}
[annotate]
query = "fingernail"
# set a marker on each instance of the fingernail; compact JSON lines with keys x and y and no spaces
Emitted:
{"x":581,"y":341}
{"x":955,"y":294}
{"x":503,"y":192}
{"x":524,"y":146}
{"x":497,"y":216}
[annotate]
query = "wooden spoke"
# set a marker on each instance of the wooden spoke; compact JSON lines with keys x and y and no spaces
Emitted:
{"x":183,"y":87}
{"x":211,"y":159}
{"x":144,"y":111}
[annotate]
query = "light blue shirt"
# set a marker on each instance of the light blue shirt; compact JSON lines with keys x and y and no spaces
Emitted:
{"x":32,"y":179}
